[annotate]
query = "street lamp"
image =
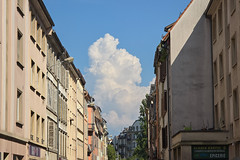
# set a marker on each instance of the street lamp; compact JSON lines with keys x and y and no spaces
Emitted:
{"x":66,"y":60}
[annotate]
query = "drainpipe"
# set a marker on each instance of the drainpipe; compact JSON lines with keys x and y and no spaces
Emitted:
{"x":210,"y":19}
{"x":168,"y":107}
{"x":58,"y":92}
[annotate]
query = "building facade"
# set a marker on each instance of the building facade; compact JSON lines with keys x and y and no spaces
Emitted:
{"x":184,"y":89}
{"x":126,"y":142}
{"x":224,"y":16}
{"x":43,"y":107}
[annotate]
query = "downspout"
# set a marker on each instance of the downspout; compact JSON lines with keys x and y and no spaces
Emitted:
{"x":210,"y":19}
{"x":168,"y":107}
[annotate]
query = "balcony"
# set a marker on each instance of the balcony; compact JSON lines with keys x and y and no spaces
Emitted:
{"x":91,"y":127}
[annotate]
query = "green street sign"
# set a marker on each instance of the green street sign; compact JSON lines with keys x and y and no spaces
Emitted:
{"x":207,"y":152}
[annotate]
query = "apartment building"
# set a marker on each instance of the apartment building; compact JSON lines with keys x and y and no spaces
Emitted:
{"x":151,"y":121}
{"x":40,"y":24}
{"x":126,"y":142}
{"x":81,"y":147}
{"x":14,"y":37}
{"x":183,"y":67}
{"x":97,"y":133}
{"x":224,"y":16}
{"x":72,"y":114}
{"x":86,"y":101}
{"x":57,"y":89}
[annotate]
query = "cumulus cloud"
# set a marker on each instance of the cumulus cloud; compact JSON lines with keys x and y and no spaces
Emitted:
{"x":115,"y":82}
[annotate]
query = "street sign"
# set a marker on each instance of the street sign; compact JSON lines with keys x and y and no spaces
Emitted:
{"x":210,"y":152}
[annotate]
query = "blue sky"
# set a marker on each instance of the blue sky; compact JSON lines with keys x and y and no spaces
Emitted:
{"x":113,"y":44}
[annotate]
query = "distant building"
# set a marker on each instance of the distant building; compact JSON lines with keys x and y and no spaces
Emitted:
{"x":97,"y":133}
{"x":125,"y":143}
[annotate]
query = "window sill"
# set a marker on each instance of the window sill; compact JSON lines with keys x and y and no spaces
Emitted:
{"x":221,"y":78}
{"x":19,"y":9}
{"x":233,"y":11}
{"x":234,"y":65}
{"x":33,"y":39}
{"x":19,"y":124}
{"x":236,"y":119}
{"x":214,"y":41}
{"x":38,"y":47}
{"x":44,"y":55}
{"x":32,"y":88}
{"x":38,"y":93}
{"x":19,"y":64}
{"x":43,"y":97}
{"x":220,"y":32}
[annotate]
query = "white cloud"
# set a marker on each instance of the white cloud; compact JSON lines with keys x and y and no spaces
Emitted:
{"x":115,"y":77}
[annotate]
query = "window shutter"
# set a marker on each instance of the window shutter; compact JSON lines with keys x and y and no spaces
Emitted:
{"x":67,"y":79}
{"x":51,"y":134}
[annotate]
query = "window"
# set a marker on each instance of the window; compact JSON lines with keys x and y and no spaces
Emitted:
{"x":38,"y":128}
{"x":20,"y":7}
{"x":32,"y":127}
{"x":234,"y":51}
{"x":43,"y":131}
{"x":229,"y":85}
{"x":220,"y":21}
{"x":215,"y":79}
{"x":17,"y":157}
{"x":51,"y":134}
{"x":20,"y":3}
{"x":164,"y":137}
{"x":222,"y":119}
{"x":237,"y":149}
{"x":32,"y":73}
{"x":33,"y":27}
{"x":214,"y":30}
{"x":216,"y":116}
{"x":38,"y":77}
{"x":19,"y":106}
{"x":38,"y":34}
{"x":43,"y":85}
{"x":19,"y":47}
{"x":221,"y":72}
{"x":228,"y":36}
{"x":235,"y":104}
{"x":232,"y":6}
{"x":43,"y":41}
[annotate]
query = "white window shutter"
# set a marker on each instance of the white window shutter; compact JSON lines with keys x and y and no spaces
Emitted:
{"x":51,"y":134}
{"x":67,"y":79}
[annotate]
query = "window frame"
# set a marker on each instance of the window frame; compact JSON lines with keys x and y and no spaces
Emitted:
{"x":20,"y":57}
{"x":19,"y":108}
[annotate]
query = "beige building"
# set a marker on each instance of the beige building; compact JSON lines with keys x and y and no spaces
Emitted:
{"x":81,"y":125}
{"x":24,"y":26}
{"x":72,"y":114}
{"x":224,"y":16}
{"x":14,"y":60}
{"x":40,"y":24}
{"x":86,"y":100}
{"x":57,"y":91}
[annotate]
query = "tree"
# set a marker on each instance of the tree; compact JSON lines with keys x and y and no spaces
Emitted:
{"x":142,"y":141}
{"x":111,"y":152}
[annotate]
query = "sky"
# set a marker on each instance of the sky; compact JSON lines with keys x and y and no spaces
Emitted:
{"x":113,"y":43}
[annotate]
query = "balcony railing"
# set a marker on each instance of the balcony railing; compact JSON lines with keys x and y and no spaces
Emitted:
{"x":91,"y":127}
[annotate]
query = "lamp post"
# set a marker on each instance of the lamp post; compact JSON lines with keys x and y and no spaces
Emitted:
{"x":66,"y":60}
